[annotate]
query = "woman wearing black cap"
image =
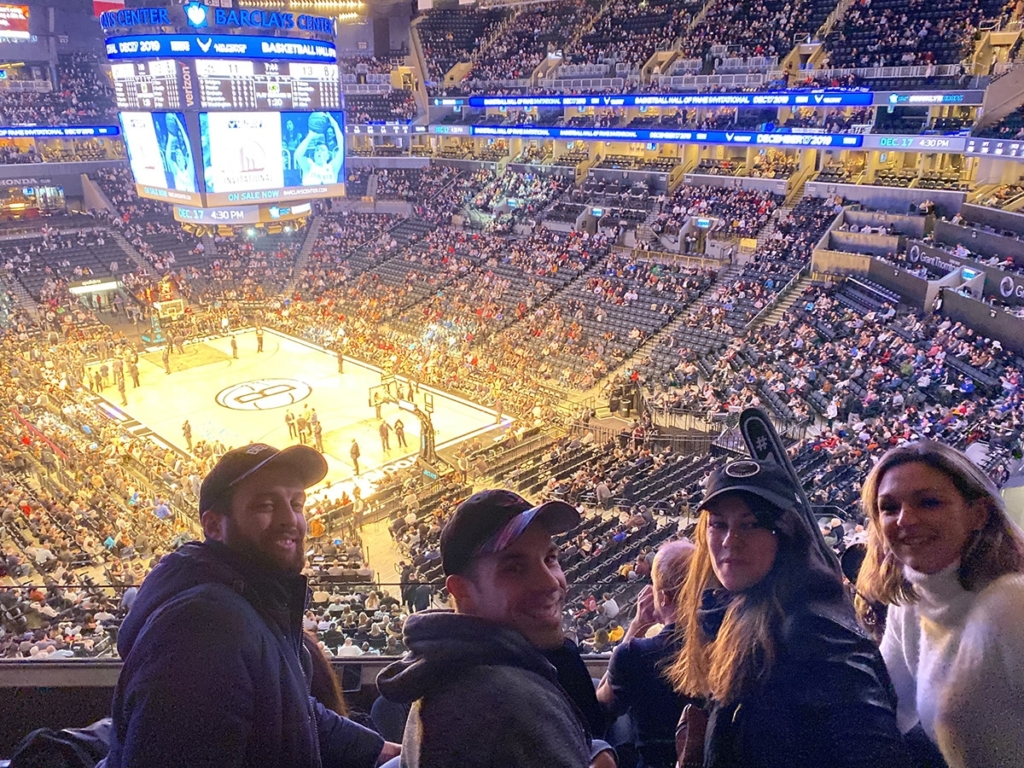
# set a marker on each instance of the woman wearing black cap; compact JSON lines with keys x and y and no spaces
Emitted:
{"x":772,"y":642}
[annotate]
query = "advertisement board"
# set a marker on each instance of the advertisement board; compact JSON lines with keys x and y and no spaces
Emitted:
{"x":253,"y":157}
{"x":14,"y":22}
{"x":57,"y":131}
{"x":795,"y":98}
{"x":242,"y":214}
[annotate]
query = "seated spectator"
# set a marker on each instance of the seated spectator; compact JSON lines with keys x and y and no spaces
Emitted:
{"x":634,"y":682}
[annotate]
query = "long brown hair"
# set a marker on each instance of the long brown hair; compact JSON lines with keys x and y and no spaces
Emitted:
{"x":995,"y":550}
{"x":324,"y":686}
{"x":740,"y":657}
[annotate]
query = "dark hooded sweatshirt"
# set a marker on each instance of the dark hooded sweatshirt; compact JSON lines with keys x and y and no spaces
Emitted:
{"x":484,"y":698}
{"x":215,"y":674}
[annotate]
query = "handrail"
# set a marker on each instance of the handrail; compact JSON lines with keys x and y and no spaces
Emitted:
{"x":777,"y":298}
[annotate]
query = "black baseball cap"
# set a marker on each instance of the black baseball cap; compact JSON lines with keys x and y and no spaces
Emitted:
{"x":240,"y":463}
{"x":764,"y":479}
{"x":489,"y":521}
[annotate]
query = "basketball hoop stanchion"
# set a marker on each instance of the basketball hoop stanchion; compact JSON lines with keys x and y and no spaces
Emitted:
{"x":428,"y":451}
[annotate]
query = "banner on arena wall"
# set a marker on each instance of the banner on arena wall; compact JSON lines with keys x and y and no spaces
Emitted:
{"x":795,"y":98}
{"x":14,"y":22}
{"x":822,"y":98}
{"x":1008,"y":287}
{"x":100,"y":7}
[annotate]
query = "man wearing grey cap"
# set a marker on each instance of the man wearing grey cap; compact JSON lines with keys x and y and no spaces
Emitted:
{"x":482,"y":688}
{"x":215,"y":672}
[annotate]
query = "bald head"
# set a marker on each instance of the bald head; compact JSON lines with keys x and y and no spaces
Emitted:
{"x":668,"y":573}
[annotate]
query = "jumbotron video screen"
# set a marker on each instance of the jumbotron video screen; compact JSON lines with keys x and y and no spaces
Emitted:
{"x":227,"y":119}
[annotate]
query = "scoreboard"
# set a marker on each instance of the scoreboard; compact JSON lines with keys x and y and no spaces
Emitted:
{"x":261,"y":85}
{"x":147,"y":84}
{"x":228,"y":85}
{"x":212,"y":118}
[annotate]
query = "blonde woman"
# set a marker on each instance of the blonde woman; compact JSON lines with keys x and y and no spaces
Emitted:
{"x":771,"y":639}
{"x":945,"y":557}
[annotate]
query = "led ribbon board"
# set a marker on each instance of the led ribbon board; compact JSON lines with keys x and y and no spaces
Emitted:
{"x":841,"y":140}
{"x":826,"y":98}
{"x":57,"y":131}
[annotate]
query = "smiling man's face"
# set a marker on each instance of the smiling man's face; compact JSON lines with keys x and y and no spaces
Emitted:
{"x":521,"y":587}
{"x":266,"y":521}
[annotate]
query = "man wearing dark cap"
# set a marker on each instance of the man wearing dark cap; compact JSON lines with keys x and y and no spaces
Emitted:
{"x":482,"y":688}
{"x":215,"y":672}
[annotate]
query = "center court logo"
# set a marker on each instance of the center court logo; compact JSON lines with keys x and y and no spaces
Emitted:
{"x":263,"y":394}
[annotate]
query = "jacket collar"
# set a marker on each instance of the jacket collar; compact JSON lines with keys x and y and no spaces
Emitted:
{"x":280,"y":597}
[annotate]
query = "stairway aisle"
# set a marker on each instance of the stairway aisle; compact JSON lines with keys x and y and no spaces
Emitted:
{"x":312,"y":232}
{"x":726,"y":276}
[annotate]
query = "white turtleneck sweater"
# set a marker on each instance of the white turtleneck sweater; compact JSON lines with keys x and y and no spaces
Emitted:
{"x":957,"y":661}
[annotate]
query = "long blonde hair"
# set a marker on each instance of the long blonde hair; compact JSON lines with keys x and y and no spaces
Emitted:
{"x":995,"y":550}
{"x":734,"y":662}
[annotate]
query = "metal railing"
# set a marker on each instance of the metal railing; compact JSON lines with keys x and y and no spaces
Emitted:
{"x":874,"y":73}
{"x":26,"y":86}
{"x":700,"y":82}
{"x":771,"y":305}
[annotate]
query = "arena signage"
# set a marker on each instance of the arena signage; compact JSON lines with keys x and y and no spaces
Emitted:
{"x":933,"y":257}
{"x":670,"y":136}
{"x":817,"y":98}
{"x":384,"y":130}
{"x":199,"y":16}
{"x":921,"y":98}
{"x":219,"y":47}
{"x":1013,"y":150}
{"x":135,"y":17}
{"x":57,"y":131}
{"x":1009,"y":287}
{"x":953,"y":144}
{"x":244,"y":214}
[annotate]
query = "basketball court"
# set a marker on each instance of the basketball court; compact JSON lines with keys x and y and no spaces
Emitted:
{"x":243,"y":400}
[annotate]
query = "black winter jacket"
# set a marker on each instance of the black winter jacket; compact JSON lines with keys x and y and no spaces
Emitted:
{"x":215,"y":674}
{"x":827,"y":702}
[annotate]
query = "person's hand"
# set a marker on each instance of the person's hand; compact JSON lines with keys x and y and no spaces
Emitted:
{"x":389,"y":751}
{"x":645,"y":615}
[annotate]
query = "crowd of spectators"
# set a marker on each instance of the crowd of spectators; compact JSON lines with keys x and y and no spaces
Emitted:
{"x":516,"y":197}
{"x":894,"y":33}
{"x":397,"y":106}
{"x":373,"y":65}
{"x":739,"y":212}
{"x":755,"y":27}
{"x":1009,"y":127}
{"x":453,"y":35}
{"x":81,"y":94}
{"x":629,"y":33}
{"x":523,"y":41}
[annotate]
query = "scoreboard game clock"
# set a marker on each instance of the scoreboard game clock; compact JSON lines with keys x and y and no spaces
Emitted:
{"x":259,"y":85}
{"x":226,"y":84}
{"x":144,"y":85}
